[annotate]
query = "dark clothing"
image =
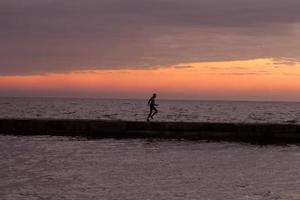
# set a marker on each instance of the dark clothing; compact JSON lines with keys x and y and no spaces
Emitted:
{"x":153,"y":109}
{"x":151,"y":102}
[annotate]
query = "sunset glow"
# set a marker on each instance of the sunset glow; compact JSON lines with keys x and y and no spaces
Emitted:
{"x":204,"y":49}
{"x":246,"y":79}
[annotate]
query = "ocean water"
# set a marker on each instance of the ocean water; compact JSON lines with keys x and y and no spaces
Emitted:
{"x":169,"y":110}
{"x":64,"y":168}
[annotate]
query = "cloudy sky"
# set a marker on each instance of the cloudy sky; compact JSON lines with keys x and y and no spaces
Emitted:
{"x":42,"y":40}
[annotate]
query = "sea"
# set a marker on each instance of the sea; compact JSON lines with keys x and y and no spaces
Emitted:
{"x":137,"y":110}
{"x":76,"y":168}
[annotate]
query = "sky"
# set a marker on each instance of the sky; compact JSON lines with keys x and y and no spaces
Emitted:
{"x":191,"y":49}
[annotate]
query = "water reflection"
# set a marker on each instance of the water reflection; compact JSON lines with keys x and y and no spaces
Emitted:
{"x":76,"y":168}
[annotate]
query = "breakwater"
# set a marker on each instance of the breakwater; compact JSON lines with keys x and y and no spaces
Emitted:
{"x":139,"y":129}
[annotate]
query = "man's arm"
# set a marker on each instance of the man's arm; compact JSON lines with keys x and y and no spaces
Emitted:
{"x":149,"y":101}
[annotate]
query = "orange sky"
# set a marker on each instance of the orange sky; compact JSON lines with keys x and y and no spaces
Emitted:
{"x":259,"y":79}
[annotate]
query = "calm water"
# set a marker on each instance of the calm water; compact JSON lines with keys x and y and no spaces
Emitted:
{"x":34,"y":168}
{"x":68,"y":168}
{"x":208,"y":111}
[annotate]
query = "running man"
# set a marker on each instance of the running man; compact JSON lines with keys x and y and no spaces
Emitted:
{"x":152,"y":105}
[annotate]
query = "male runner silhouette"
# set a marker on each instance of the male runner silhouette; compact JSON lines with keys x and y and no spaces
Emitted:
{"x":152,"y":105}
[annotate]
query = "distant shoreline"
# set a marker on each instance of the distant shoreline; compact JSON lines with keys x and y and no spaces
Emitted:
{"x":256,"y":132}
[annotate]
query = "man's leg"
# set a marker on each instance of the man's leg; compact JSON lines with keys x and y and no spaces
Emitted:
{"x":155,"y":111}
{"x":150,"y":113}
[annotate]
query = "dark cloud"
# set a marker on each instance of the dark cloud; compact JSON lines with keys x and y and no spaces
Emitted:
{"x":65,"y":35}
{"x":286,"y":61}
{"x":183,"y":67}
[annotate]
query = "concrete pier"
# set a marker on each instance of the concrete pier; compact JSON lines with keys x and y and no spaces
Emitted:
{"x":137,"y":129}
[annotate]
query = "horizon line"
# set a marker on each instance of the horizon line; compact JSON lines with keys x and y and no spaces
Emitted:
{"x":163,"y":99}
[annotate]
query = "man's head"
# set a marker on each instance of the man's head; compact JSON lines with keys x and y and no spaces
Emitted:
{"x":154,"y":95}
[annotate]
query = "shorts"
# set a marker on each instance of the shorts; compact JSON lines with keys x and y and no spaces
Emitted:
{"x":153,"y":108}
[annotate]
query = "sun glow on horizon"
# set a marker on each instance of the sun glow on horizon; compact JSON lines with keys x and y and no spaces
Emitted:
{"x":238,"y":79}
